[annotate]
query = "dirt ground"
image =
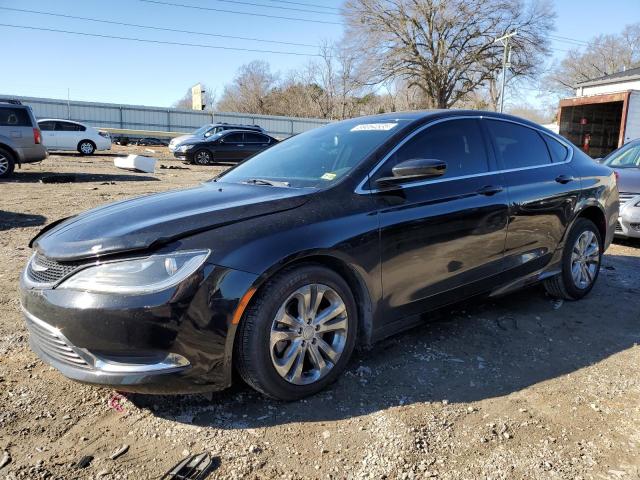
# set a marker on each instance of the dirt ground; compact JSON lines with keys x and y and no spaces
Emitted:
{"x":517,"y":387}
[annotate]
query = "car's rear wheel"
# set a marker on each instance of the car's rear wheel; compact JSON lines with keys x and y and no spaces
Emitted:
{"x":203,"y":157}
{"x":298,"y":334}
{"x":581,"y":261}
{"x":86,"y":147}
{"x":7,"y":163}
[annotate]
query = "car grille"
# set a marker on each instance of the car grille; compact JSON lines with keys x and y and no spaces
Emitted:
{"x":53,"y":344}
{"x":626,"y":196}
{"x":46,"y":271}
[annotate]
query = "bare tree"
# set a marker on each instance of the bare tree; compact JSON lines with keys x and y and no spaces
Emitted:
{"x":604,"y":55}
{"x":446,"y":47}
{"x":250,"y":89}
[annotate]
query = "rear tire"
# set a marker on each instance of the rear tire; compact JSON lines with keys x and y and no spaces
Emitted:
{"x":581,"y":260}
{"x":7,"y":163}
{"x":86,"y":147}
{"x":288,"y":354}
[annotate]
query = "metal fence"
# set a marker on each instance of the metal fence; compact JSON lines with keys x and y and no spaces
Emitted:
{"x":170,"y":120}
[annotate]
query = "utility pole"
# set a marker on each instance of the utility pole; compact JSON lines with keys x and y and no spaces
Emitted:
{"x":506,"y":59}
{"x":68,"y":104}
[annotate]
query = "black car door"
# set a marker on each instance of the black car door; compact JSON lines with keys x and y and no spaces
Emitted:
{"x":542,"y":189}
{"x":255,"y":142}
{"x":440,"y":235}
{"x":230,"y":148}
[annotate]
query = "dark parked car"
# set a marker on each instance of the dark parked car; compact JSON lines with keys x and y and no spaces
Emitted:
{"x":151,"y":142}
{"x":340,"y":236}
{"x":226,"y":146}
{"x":20,"y":137}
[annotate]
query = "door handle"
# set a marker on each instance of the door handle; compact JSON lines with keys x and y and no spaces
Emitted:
{"x":489,"y":190}
{"x":564,"y":179}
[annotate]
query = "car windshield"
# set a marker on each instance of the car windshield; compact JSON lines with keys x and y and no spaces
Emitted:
{"x":626,"y":157}
{"x":317,"y":158}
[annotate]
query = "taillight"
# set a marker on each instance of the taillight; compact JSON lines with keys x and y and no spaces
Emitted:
{"x":37,"y":136}
{"x":103,"y":134}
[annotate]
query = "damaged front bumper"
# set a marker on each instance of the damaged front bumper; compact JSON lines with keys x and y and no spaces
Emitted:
{"x":174,"y":341}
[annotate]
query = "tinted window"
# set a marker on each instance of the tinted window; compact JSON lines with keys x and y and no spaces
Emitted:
{"x":69,"y":127}
{"x":233,"y":138}
{"x":457,"y":142}
{"x":558,"y":151}
{"x":518,"y":146}
{"x":255,"y":138}
{"x":14,"y":117}
{"x":46,"y":126}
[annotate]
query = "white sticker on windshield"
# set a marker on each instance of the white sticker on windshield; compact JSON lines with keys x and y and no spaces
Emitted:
{"x":367,"y":127}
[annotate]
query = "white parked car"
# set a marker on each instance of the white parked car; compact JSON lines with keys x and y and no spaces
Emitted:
{"x":73,"y":136}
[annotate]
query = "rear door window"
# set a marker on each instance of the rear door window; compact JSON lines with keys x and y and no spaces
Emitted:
{"x":69,"y":127}
{"x":459,"y":143}
{"x":255,"y":138}
{"x":518,"y":146}
{"x":233,"y":138}
{"x":47,"y":126}
{"x":559,"y":152}
{"x":14,"y":117}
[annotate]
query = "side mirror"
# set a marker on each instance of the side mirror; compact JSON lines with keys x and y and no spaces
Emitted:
{"x":414,"y":169}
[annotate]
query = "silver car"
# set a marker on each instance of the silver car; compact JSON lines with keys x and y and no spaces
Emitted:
{"x":20,"y":137}
{"x":626,"y":163}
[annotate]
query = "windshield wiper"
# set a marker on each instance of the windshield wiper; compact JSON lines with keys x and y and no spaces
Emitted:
{"x":262,"y":181}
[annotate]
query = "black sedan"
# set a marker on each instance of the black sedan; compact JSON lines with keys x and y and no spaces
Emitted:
{"x":340,"y":236}
{"x":226,"y":146}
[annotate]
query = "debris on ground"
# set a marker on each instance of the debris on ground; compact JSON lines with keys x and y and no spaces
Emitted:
{"x":84,"y":462}
{"x":121,"y":450}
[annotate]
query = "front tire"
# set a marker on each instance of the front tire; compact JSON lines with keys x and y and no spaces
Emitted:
{"x":581,"y":260}
{"x":202,"y":157}
{"x":7,"y":163}
{"x":298,"y":334}
{"x":86,"y":147}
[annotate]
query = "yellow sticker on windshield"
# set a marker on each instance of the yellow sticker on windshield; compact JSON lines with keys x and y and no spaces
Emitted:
{"x":368,"y":127}
{"x":328,"y":176}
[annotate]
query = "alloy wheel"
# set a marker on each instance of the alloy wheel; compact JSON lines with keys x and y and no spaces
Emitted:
{"x":585,"y":259}
{"x":86,"y":148}
{"x":308,"y":334}
{"x":4,"y":164}
{"x":203,"y":158}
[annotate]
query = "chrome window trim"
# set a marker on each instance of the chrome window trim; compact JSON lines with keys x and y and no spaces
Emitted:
{"x":361,"y":190}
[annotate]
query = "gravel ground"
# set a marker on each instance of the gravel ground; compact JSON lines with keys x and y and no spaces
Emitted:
{"x":516,"y":387}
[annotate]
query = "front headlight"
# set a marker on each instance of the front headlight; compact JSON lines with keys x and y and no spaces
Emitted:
{"x":184,"y":148}
{"x":140,"y":275}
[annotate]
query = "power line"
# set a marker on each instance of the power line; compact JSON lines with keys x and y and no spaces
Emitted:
{"x":161,"y":42}
{"x":111,"y":22}
{"x":240,"y":2}
{"x":305,"y":4}
{"x":198,"y":7}
{"x":569,"y":39}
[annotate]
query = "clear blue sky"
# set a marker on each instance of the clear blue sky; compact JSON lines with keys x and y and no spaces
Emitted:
{"x":45,"y":64}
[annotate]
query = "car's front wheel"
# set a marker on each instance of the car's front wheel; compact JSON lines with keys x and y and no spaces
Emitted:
{"x":202,"y":157}
{"x":581,"y":261}
{"x":86,"y":147}
{"x":298,"y":334}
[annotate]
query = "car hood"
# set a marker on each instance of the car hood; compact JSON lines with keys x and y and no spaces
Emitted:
{"x":628,"y":180}
{"x":181,"y":139}
{"x":147,"y":222}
